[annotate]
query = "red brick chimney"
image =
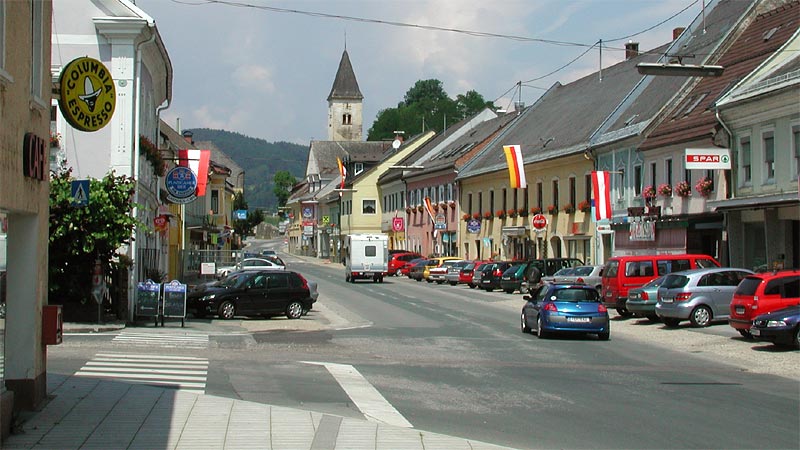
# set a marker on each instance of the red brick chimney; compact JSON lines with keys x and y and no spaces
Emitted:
{"x":631,"y":49}
{"x":677,"y":32}
{"x":188,"y":137}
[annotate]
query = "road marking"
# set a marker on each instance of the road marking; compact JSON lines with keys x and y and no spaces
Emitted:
{"x":185,"y":373}
{"x":162,"y":340}
{"x":366,"y":398}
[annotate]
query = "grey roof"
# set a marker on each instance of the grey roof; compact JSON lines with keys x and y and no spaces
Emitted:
{"x":322,"y":154}
{"x":345,"y":85}
{"x":563,"y":120}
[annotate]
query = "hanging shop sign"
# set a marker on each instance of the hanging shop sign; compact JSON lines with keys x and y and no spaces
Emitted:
{"x":440,"y":221}
{"x":473,"y":226}
{"x":642,"y":231}
{"x":181,"y":184}
{"x":398,"y":224}
{"x":708,"y":158}
{"x":539,"y":223}
{"x":88,"y":95}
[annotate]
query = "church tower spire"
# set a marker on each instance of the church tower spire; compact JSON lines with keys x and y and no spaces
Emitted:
{"x":345,"y":121}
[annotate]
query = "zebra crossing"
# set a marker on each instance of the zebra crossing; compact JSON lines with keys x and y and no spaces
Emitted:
{"x":185,"y":373}
{"x":186,"y":340}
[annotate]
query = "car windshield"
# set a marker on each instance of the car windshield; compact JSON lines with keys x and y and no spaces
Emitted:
{"x":564,"y":271}
{"x":675,"y":281}
{"x":567,"y":294}
{"x":236,"y":280}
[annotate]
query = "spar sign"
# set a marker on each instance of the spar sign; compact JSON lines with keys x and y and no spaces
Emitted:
{"x":708,"y":158}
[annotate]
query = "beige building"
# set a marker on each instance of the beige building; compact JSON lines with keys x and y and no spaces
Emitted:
{"x":25,"y":84}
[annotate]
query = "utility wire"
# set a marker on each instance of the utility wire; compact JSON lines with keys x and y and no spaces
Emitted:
{"x":654,"y":26}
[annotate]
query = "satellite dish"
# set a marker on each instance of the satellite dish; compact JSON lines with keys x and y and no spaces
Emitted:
{"x":396,"y":144}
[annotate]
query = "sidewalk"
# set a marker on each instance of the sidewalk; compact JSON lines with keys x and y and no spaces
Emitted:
{"x":85,"y":413}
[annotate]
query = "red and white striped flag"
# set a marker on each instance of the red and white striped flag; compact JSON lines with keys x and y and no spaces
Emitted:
{"x":601,"y":191}
{"x":429,"y":208}
{"x":342,"y":171}
{"x":198,"y":161}
{"x":516,"y":166}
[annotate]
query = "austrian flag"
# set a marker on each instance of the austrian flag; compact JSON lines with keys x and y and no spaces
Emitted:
{"x":516,"y":167}
{"x":601,"y":186}
{"x":198,"y":161}
{"x":342,"y":171}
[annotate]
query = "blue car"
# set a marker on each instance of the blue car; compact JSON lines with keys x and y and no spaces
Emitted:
{"x":781,"y":327}
{"x":567,"y":308}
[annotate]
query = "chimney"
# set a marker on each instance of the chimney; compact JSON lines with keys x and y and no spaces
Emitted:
{"x":519,"y":106}
{"x":631,"y":49}
{"x":187,"y":136}
{"x":677,"y":32}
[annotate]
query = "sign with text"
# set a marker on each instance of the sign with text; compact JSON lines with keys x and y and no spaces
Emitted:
{"x":88,"y":95}
{"x":642,"y":231}
{"x":174,"y":304}
{"x":708,"y":158}
{"x":147,"y":296}
{"x":181,"y":184}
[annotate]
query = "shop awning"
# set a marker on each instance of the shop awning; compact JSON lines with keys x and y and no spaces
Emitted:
{"x":755,"y":202}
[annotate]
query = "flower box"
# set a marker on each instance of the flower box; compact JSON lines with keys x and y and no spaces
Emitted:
{"x":500,"y":213}
{"x":521,"y":212}
{"x":569,"y":208}
{"x":649,"y":192}
{"x":466,"y":217}
{"x":704,"y":186}
{"x":487,"y":215}
{"x":552,"y":209}
{"x":584,"y":206}
{"x":476,"y":216}
{"x":683,"y":189}
{"x":665,"y":190}
{"x":536,"y":210}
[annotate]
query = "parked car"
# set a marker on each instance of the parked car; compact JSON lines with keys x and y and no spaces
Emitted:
{"x":453,"y":275}
{"x":559,"y":273}
{"x":642,"y":300}
{"x":781,"y":327}
{"x":407,"y":268}
{"x":252,"y":293}
{"x":267,"y":252}
{"x":467,"y":272}
{"x":699,"y":295}
{"x":250,"y":264}
{"x":622,"y":273}
{"x":493,"y":273}
{"x":439,"y":273}
{"x":511,"y":279}
{"x":398,"y":260}
{"x":436,"y":261}
{"x":591,"y":275}
{"x":763,"y":293}
{"x":544,"y":268}
{"x":477,"y":273}
{"x":417,"y":271}
{"x":565,"y":308}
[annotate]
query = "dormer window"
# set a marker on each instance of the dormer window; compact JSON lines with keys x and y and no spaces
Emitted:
{"x":358,"y":167}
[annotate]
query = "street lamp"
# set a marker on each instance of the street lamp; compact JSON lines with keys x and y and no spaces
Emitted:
{"x":681,"y":70}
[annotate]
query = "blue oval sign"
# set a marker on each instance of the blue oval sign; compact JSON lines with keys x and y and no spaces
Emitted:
{"x":473,"y":226}
{"x":181,"y":184}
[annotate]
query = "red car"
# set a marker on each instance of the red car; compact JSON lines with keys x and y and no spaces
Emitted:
{"x":407,"y":267}
{"x":762,"y":293}
{"x":465,"y":276}
{"x":399,"y":260}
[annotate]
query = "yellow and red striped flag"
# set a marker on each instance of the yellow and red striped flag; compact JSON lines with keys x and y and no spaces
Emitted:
{"x":516,"y":166}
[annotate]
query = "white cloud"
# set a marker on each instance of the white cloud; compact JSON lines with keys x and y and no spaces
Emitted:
{"x":254,"y":77}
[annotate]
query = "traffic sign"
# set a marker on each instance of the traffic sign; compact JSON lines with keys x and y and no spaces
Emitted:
{"x":80,"y":192}
{"x":539,"y":222}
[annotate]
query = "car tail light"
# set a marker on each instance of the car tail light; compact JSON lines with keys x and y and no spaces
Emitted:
{"x":551,"y":307}
{"x":498,"y":273}
{"x":644,"y":296}
{"x":683,"y":296}
{"x":579,"y":280}
{"x":601,"y":308}
{"x":304,"y":281}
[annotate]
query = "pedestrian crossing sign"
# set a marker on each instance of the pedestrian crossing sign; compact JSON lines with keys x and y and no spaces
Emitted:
{"x":80,"y":192}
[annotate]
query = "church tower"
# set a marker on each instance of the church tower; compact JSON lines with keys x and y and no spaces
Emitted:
{"x":345,"y":122}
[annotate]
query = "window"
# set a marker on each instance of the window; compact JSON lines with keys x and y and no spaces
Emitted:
{"x":653,"y":173}
{"x":637,"y":180}
{"x":368,"y":207}
{"x":745,"y":169}
{"x":796,"y":148}
{"x":525,"y":199}
{"x":347,"y":119}
{"x":588,"y":186}
{"x":491,"y":201}
{"x":516,"y":199}
{"x":555,"y":193}
{"x":480,"y":202}
{"x":539,"y":195}
{"x":769,"y":155}
{"x":441,"y":193}
{"x":505,"y":199}
{"x":214,"y":201}
{"x":469,"y":203}
{"x":572,"y":193}
{"x":450,"y":195}
{"x":668,"y":171}
{"x":370,"y":250}
{"x":687,"y":175}
{"x":2,"y":37}
{"x":37,"y":50}
{"x":710,"y":176}
{"x":358,"y":168}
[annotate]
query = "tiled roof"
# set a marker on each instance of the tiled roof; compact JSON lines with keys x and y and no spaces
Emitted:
{"x":693,"y":118}
{"x":345,"y":85}
{"x":322,"y":154}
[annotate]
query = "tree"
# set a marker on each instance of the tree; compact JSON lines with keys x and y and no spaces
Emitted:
{"x":283,"y":182}
{"x":244,"y":227}
{"x":425,"y":106}
{"x":79,"y":236}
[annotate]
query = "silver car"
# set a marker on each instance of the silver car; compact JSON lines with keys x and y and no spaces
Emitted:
{"x":591,"y":275}
{"x":454,"y":272}
{"x":699,"y":295}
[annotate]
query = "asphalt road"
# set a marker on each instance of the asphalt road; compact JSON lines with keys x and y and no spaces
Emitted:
{"x":452,"y":360}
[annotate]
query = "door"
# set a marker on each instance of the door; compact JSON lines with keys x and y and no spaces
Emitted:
{"x":277,"y":294}
{"x":250,"y":298}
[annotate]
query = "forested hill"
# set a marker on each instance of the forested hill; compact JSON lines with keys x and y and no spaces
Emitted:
{"x":260,"y":160}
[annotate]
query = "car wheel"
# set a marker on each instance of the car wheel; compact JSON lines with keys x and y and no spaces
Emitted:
{"x":624,"y":312}
{"x":523,"y":324}
{"x":453,"y":284}
{"x":746,"y":334}
{"x":670,"y":322}
{"x":227,"y":310}
{"x":488,"y":289}
{"x":472,"y":286}
{"x":440,"y":282}
{"x":700,"y":317}
{"x":653,"y":318}
{"x":294,"y":310}
{"x":429,"y":281}
{"x":419,"y":280}
{"x":797,"y":337}
{"x":604,"y":336}
{"x":509,"y":291}
{"x":540,"y":329}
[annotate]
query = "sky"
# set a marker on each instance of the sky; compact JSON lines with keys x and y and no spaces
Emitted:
{"x":264,"y":73}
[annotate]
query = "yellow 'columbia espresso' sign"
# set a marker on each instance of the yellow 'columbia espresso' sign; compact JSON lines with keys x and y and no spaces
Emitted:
{"x":88,"y":96}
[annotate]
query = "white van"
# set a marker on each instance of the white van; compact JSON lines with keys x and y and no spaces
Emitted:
{"x":366,"y":256}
